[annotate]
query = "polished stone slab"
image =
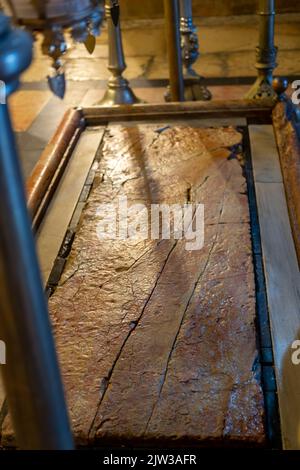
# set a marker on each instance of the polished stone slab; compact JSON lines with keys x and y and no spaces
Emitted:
{"x":156,"y":343}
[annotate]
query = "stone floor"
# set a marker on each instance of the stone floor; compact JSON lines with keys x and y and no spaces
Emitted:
{"x":227,"y":61}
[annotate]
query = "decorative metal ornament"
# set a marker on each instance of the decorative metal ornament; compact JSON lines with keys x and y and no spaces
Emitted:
{"x":52,"y":17}
{"x":266,"y":53}
{"x":115,"y":11}
{"x":280,"y":85}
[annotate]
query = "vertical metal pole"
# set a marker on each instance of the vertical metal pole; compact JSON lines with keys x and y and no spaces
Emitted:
{"x":266,"y":53}
{"x":118,"y":88}
{"x":195,"y":90}
{"x":186,"y":9}
{"x":31,"y":374}
{"x":174,"y":49}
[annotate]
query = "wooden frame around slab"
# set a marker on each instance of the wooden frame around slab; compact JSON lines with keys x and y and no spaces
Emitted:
{"x":278,"y":210}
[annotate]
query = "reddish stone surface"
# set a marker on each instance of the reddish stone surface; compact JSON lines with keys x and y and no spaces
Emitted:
{"x":289,"y":152}
{"x":157,"y":343}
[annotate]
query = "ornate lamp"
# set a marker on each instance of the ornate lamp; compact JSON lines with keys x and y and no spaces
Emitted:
{"x":82,"y":17}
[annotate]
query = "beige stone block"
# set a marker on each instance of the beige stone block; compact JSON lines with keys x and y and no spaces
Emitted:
{"x":96,"y":69}
{"x":25,"y":107}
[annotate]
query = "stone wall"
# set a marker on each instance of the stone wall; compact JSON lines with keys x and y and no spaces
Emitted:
{"x":154,"y":8}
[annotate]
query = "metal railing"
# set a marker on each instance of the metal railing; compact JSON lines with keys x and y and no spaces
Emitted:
{"x":31,"y":377}
{"x":183,"y":52}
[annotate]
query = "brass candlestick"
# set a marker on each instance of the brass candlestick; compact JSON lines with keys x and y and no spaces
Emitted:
{"x":175,"y":90}
{"x":118,"y":88}
{"x":266,"y":53}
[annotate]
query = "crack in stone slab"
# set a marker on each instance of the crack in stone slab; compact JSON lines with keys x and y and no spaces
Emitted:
{"x":127,"y":338}
{"x":184,"y":314}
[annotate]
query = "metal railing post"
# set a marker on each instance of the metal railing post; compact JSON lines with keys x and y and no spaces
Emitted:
{"x":31,"y":375}
{"x":195,"y":90}
{"x":266,"y":53}
{"x":172,"y":17}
